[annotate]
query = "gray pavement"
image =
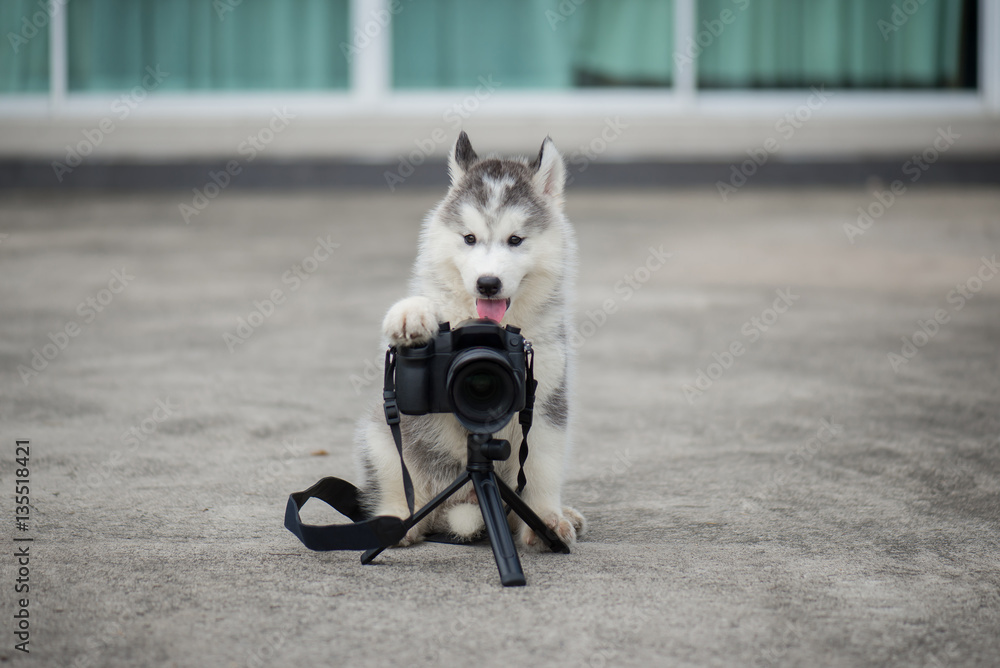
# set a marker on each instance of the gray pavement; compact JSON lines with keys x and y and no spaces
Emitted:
{"x":804,"y":504}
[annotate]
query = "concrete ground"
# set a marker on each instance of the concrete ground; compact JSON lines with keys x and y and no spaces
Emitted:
{"x":801,"y":503}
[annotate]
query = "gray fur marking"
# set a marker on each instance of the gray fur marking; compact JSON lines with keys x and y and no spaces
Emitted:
{"x":475,"y":189}
{"x":368,"y":498}
{"x":555,"y":410}
{"x":464,"y":154}
{"x":555,"y":303}
{"x":420,"y":452}
{"x":561,"y":336}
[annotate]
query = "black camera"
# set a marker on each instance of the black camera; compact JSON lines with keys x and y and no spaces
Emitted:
{"x":476,"y":371}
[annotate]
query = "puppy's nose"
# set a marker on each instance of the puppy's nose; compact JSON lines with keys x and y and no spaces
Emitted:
{"x":488,"y":285}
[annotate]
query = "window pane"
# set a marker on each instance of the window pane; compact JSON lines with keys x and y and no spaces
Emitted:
{"x":24,"y":66}
{"x":202,"y":45}
{"x":837,"y":43}
{"x":532,"y":43}
{"x":626,"y":43}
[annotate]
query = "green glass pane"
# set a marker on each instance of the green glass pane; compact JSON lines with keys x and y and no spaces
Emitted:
{"x":554,"y":44}
{"x":24,"y":66}
{"x":625,"y":43}
{"x":722,"y":41}
{"x":837,"y":43}
{"x":200,"y":45}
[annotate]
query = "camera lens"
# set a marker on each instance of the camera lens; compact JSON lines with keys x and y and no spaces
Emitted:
{"x":481,"y":389}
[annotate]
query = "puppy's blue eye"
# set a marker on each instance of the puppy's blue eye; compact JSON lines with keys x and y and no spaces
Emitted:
{"x":515,"y":240}
{"x":470,"y":239}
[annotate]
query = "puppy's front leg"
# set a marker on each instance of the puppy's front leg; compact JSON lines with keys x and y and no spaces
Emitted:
{"x":543,"y":491}
{"x":410,"y":322}
{"x":385,"y":479}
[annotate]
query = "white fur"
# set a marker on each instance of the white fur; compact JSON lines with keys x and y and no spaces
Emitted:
{"x":464,"y":520}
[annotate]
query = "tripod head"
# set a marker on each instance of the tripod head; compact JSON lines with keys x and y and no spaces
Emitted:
{"x":483,"y":450}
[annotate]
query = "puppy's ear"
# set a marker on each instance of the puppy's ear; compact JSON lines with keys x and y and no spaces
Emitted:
{"x":461,"y":158}
{"x":550,"y":172}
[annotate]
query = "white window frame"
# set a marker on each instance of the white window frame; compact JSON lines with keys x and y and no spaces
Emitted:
{"x":371,"y":91}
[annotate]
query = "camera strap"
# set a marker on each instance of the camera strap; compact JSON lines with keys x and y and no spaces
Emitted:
{"x":384,"y":531}
{"x":364,"y":534}
{"x":526,"y":414}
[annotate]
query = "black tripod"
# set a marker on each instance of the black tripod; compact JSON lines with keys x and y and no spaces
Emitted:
{"x":483,"y":450}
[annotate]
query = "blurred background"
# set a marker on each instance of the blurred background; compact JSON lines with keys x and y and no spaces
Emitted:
{"x":390,"y":83}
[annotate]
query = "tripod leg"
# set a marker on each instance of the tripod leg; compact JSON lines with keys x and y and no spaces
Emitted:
{"x":511,"y":574}
{"x":367,"y":557}
{"x":524,"y":511}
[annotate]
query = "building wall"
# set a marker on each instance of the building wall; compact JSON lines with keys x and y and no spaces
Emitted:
{"x":380,"y":80}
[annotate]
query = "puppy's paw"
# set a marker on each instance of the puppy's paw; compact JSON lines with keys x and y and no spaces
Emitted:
{"x":563,"y":526}
{"x":410,"y":322}
{"x":578,"y":521}
{"x":413,"y":536}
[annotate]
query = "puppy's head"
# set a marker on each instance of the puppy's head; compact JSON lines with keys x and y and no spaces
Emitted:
{"x":500,"y":224}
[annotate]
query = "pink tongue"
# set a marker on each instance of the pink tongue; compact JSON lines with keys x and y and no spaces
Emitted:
{"x":491,"y":308}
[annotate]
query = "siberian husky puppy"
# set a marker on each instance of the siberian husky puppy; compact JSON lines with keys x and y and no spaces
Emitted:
{"x":497,"y":246}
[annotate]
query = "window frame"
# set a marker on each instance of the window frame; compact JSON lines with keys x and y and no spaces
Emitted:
{"x":370,"y":89}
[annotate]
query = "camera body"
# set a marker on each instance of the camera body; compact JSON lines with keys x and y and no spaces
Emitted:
{"x":476,"y":371}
